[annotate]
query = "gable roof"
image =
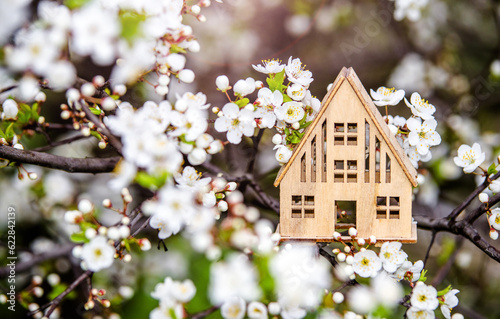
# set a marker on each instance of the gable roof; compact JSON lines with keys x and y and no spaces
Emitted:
{"x":350,"y":76}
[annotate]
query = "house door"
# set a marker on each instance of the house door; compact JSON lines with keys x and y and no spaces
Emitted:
{"x":345,"y":217}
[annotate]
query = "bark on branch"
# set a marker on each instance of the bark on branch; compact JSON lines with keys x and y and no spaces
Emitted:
{"x":68,"y":164}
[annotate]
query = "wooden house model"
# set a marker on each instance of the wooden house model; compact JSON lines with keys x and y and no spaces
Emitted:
{"x":347,"y":171}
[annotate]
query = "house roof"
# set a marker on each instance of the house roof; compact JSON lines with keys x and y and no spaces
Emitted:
{"x":350,"y":76}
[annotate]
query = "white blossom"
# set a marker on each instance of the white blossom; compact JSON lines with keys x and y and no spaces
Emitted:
{"x":423,"y":135}
{"x":415,"y":313}
{"x":257,"y":310}
{"x":296,"y":92}
{"x":386,"y":96}
{"x":222,"y":83}
{"x":424,"y":297}
{"x":98,"y":254}
{"x":290,"y":112}
{"x":450,"y":301}
{"x":283,"y":153}
{"x":420,"y":107}
{"x":235,"y":122}
{"x":244,"y":87}
{"x":411,"y":9}
{"x":297,"y":73}
{"x":494,"y":219}
{"x":269,"y":67}
{"x":392,"y":256}
{"x":367,"y":263}
{"x":469,"y":157}
{"x":10,"y":109}
{"x":233,"y":308}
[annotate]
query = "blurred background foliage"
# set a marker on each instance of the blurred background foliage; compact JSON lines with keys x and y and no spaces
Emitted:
{"x":448,"y":56}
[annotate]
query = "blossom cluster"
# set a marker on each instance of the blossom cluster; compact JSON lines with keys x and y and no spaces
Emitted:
{"x":101,"y":244}
{"x":172,"y":296}
{"x":173,"y":130}
{"x":416,"y":134}
{"x":386,"y":269}
{"x":289,"y":108}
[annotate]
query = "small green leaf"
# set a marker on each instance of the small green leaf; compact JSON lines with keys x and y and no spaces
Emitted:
{"x":96,"y":134}
{"x":183,"y":140}
{"x":150,"y":181}
{"x":444,"y":291}
{"x":492,"y":169}
{"x":78,"y":237}
{"x":276,"y":82}
{"x":75,"y":4}
{"x":9,"y":132}
{"x":177,"y":49}
{"x":2,"y":134}
{"x":286,"y":98}
{"x":95,"y":111}
{"x":131,"y":22}
{"x":242,"y":103}
{"x":57,"y":290}
{"x":295,"y":139}
{"x":422,"y":276}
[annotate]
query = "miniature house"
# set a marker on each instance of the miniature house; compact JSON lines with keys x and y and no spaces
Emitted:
{"x":347,"y":171}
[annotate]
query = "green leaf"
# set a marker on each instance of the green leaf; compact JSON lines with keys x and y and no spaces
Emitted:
{"x":96,"y":134}
{"x":78,"y":237}
{"x":150,"y":181}
{"x":131,"y":22}
{"x":57,"y":290}
{"x":295,"y":139}
{"x":492,"y":169}
{"x":177,"y":49}
{"x":95,"y":111}
{"x":242,"y":103}
{"x":286,"y":98}
{"x":9,"y":132}
{"x":444,"y":291}
{"x":34,"y":111}
{"x":2,"y":134}
{"x":422,"y":276}
{"x":75,"y":4}
{"x":276,"y":82}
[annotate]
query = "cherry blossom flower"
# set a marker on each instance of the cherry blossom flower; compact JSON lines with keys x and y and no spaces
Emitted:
{"x":494,"y":186}
{"x":290,"y":112}
{"x":296,"y":73}
{"x":191,"y":180}
{"x":269,"y":67}
{"x":235,"y":122}
{"x":235,"y":277}
{"x":392,"y":256}
{"x":283,"y":153}
{"x":222,"y":83}
{"x":420,"y":107}
{"x":450,"y":301}
{"x":409,"y":271}
{"x":257,"y":310}
{"x":469,"y":157}
{"x":267,"y":101}
{"x":165,"y":312}
{"x":98,"y":254}
{"x":366,"y":264}
{"x":415,"y":313}
{"x":424,"y":297}
{"x":10,"y":109}
{"x":233,"y":308}
{"x":494,"y":219}
{"x":411,"y":9}
{"x":386,"y":96}
{"x":423,"y":135}
{"x":244,"y":87}
{"x":296,"y":92}
{"x":183,"y":291}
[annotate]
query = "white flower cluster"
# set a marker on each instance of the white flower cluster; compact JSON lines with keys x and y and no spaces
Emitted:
{"x":410,"y":9}
{"x":424,"y":300}
{"x":417,"y":134}
{"x":288,"y":108}
{"x":300,"y":279}
{"x":193,"y":204}
{"x":172,"y":296}
{"x":134,"y":36}
{"x":171,"y":132}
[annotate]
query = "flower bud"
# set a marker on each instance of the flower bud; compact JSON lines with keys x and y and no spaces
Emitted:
{"x":483,"y":198}
{"x":338,"y":297}
{"x":296,"y":125}
{"x":10,"y":109}
{"x":493,"y":234}
{"x":277,"y":139}
{"x":88,"y":89}
{"x":222,"y":206}
{"x":176,"y":62}
{"x":186,"y":76}
{"x":353,"y":232}
{"x":337,"y":236}
{"x":341,"y":257}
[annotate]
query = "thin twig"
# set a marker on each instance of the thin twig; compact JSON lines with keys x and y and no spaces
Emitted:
{"x":58,"y":143}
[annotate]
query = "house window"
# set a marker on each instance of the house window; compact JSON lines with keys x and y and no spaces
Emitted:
{"x":345,"y":134}
{"x":387,"y":168}
{"x":313,"y":160}
{"x":367,"y":152}
{"x":303,"y":168}
{"x":345,"y":171}
{"x":377,"y":160}
{"x":302,"y":206}
{"x":323,"y":151}
{"x":387,"y":207}
{"x":346,"y":214}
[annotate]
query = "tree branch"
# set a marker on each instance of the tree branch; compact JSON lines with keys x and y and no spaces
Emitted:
{"x":68,"y":164}
{"x":462,"y":228}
